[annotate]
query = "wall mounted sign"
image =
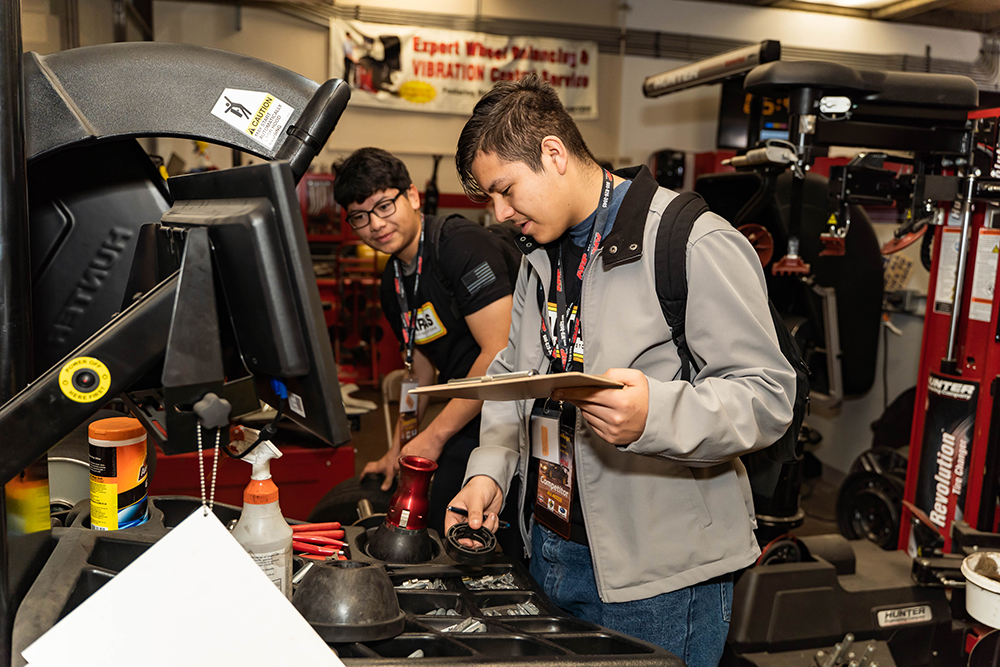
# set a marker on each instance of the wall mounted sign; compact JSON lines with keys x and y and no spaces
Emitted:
{"x":447,"y":71}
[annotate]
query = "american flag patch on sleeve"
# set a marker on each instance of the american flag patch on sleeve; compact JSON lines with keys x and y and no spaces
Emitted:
{"x":478,"y":278}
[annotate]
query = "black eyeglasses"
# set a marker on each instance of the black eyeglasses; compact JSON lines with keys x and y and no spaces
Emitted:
{"x":383,"y":209}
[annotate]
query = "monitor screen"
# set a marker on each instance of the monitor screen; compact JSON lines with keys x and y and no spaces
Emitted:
{"x":734,"y":117}
{"x":269,"y":289}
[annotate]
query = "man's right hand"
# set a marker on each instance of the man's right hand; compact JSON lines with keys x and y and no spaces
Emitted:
{"x":482,"y":498}
{"x":388,"y":465}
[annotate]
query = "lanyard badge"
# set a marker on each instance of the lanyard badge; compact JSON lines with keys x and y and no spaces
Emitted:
{"x":560,"y":343}
{"x":409,"y":316}
{"x":408,"y":419}
{"x":552,"y":437}
{"x":552,"y":446}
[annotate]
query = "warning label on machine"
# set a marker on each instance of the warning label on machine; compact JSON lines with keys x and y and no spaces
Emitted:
{"x":261,"y":116}
{"x":944,"y":289}
{"x":984,"y":276}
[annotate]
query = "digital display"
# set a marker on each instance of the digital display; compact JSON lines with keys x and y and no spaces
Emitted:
{"x":734,"y":116}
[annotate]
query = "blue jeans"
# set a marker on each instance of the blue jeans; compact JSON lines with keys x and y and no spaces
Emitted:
{"x":691,"y":623}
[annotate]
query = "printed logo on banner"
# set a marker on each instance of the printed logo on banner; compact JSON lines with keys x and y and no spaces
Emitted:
{"x":260,"y":116}
{"x":948,"y":428}
{"x":447,"y":71}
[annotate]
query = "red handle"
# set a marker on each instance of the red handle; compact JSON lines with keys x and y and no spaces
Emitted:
{"x":314,"y":549}
{"x":317,"y":539}
{"x":335,"y":534}
{"x":313,"y":527}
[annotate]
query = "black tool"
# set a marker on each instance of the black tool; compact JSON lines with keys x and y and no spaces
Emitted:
{"x":463,"y":512}
{"x":467,"y":555}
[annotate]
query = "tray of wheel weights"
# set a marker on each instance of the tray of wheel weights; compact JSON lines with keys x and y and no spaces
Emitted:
{"x":493,"y":614}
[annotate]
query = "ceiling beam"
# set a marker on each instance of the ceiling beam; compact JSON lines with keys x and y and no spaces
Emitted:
{"x":821,"y":8}
{"x":947,"y":18}
{"x":991,"y":22}
{"x":909,"y":8}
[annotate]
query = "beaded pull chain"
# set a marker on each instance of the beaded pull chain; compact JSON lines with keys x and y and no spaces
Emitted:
{"x":210,"y":502}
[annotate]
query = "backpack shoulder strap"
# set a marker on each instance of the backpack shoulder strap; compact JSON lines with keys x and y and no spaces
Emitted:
{"x":670,"y":268}
{"x":435,"y":225}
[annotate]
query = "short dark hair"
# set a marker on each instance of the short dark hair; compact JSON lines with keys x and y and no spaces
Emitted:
{"x":510,"y":122}
{"x":365,"y":172}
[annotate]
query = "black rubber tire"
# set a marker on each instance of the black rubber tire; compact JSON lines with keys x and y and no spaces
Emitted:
{"x":341,"y":502}
{"x":781,"y":551}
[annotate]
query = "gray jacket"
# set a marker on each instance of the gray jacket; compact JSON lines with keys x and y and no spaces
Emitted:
{"x":674,"y":507}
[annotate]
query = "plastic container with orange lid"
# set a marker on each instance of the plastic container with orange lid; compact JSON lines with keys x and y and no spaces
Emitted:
{"x":118,"y":480}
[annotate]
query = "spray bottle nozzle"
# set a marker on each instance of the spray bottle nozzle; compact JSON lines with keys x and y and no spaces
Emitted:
{"x":260,"y":459}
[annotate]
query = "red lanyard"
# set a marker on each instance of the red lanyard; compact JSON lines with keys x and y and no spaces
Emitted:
{"x":559,"y":348}
{"x":408,"y":316}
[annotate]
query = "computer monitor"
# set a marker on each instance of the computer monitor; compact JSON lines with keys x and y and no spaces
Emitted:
{"x":262,"y":261}
{"x":735,"y":117}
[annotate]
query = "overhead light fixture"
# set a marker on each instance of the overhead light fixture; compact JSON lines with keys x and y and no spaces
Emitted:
{"x":853,"y":4}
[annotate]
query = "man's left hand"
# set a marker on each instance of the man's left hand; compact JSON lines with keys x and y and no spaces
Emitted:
{"x":425,"y":445}
{"x":617,"y":415}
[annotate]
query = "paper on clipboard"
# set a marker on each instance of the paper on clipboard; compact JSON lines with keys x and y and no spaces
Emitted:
{"x":521,"y":388}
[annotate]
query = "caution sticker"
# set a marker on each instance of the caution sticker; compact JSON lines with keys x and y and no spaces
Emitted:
{"x":84,"y":380}
{"x":261,"y":116}
{"x":984,"y":275}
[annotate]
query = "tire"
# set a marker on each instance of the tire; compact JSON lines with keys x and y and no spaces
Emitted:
{"x":341,"y":502}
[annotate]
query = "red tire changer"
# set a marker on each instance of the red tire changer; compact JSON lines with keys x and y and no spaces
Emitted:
{"x":953,"y":477}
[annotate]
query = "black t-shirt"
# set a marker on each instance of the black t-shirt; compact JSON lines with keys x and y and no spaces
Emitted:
{"x":470,"y":273}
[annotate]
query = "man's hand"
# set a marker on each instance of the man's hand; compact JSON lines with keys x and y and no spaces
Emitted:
{"x":482,"y":499}
{"x":425,"y":444}
{"x":617,"y":415}
{"x":388,"y":465}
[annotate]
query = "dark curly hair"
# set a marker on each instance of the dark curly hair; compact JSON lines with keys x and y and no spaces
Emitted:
{"x":510,"y":122}
{"x":365,"y":172}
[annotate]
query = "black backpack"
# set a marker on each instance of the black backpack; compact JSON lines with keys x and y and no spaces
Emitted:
{"x":763,"y":466}
{"x":502,"y":236}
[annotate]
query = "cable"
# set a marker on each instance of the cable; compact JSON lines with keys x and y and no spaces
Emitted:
{"x":782,"y":142}
{"x":925,"y":249}
{"x":885,"y":365}
{"x":267,"y":433}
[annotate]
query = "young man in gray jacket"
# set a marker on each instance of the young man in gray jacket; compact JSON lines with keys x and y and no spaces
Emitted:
{"x":634,"y":502}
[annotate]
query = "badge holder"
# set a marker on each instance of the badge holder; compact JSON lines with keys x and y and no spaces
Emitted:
{"x":552,"y":444}
{"x":409,"y":422}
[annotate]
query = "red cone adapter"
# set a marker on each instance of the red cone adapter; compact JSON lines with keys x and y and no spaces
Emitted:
{"x":408,"y":507}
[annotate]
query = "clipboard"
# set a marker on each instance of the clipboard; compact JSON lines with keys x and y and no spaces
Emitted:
{"x":520,"y":386}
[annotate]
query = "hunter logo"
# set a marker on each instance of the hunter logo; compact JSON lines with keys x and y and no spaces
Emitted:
{"x":261,"y":116}
{"x":905,"y":616}
{"x":89,"y":284}
{"x":952,"y":389}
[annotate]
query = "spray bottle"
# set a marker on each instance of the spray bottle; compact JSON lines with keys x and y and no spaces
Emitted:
{"x":261,"y":530}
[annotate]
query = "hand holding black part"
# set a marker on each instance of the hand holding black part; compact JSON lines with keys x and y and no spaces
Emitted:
{"x":470,"y":546}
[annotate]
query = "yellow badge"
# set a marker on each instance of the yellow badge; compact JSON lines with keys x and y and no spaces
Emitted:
{"x":429,"y":326}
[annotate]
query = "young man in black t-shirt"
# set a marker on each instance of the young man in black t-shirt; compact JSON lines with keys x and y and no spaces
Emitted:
{"x":457,"y":295}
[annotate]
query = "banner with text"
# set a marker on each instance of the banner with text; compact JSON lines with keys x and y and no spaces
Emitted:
{"x":447,"y":71}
